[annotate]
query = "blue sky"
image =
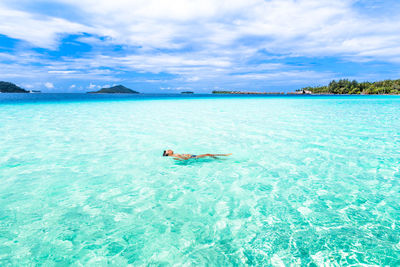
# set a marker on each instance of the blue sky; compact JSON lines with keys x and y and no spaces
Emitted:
{"x":200,"y":45}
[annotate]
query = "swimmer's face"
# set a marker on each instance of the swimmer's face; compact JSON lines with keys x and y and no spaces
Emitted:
{"x":168,"y":153}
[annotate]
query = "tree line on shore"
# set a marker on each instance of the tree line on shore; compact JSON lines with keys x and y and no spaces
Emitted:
{"x":345,"y":86}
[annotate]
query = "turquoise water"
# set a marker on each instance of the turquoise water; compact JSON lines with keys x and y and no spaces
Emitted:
{"x":312,"y":180}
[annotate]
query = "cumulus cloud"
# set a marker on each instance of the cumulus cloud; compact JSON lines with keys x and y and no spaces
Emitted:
{"x":91,"y":86}
{"x":49,"y":85}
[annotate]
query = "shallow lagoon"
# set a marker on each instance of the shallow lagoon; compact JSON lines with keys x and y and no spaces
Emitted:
{"x":311,"y":180}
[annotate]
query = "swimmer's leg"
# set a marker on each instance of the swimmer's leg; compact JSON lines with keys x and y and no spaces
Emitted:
{"x":213,"y":155}
{"x":205,"y":155}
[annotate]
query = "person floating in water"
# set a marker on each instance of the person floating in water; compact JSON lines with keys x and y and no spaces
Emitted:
{"x":170,"y":153}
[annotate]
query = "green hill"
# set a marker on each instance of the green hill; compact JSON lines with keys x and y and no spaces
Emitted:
{"x":119,"y":89}
{"x":353,"y":87}
{"x":6,"y":87}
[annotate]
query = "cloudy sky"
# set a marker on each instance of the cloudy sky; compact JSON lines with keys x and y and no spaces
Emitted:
{"x":199,"y":45}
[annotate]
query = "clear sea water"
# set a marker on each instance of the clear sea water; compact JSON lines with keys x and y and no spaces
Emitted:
{"x":312,"y":180}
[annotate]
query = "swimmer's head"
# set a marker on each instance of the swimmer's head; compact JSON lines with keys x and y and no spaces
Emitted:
{"x":168,"y":153}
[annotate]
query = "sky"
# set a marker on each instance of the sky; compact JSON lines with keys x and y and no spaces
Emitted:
{"x":159,"y":46}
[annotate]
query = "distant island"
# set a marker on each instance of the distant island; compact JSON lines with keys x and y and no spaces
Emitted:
{"x":119,"y":89}
{"x":187,"y":92}
{"x":246,"y":93}
{"x":7,"y":87}
{"x":347,"y":87}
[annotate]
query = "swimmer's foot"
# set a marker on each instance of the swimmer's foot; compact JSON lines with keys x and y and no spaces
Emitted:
{"x":222,"y":155}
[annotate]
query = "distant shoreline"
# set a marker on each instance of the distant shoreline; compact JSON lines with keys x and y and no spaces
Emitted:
{"x":245,"y":93}
{"x":344,"y":86}
{"x":340,"y":88}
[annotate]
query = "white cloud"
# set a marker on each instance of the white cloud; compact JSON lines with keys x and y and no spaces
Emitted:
{"x":49,"y":85}
{"x":302,"y":27}
{"x":61,"y":71}
{"x":178,"y":88}
{"x":193,"y":79}
{"x":72,"y":86}
{"x":27,"y":85}
{"x":91,"y":86}
{"x":41,"y":31}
